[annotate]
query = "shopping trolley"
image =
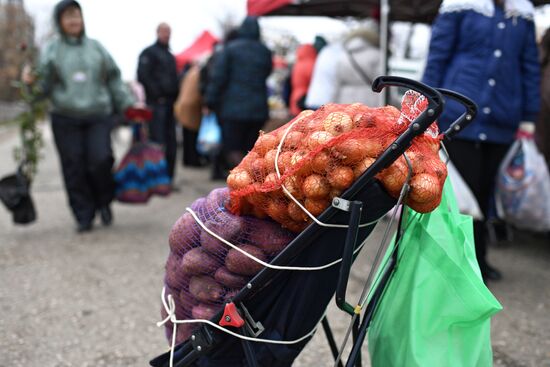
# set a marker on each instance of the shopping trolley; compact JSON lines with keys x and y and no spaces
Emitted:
{"x":275,"y":314}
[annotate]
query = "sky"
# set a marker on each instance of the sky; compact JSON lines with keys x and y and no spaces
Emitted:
{"x":126,"y":27}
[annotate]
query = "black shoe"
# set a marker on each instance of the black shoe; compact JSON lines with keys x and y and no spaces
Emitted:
{"x":106,"y":216}
{"x":490,"y":273}
{"x":84,"y":227}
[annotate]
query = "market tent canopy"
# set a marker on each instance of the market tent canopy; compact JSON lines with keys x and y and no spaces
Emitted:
{"x":419,"y":11}
{"x":202,"y":46}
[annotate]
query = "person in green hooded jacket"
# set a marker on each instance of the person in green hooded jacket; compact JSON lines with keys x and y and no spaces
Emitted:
{"x":85,"y":89}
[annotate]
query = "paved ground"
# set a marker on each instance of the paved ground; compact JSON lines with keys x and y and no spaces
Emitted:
{"x":93,"y":300}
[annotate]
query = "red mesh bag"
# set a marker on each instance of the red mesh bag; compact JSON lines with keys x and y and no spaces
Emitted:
{"x":202,"y":272}
{"x":320,"y":154}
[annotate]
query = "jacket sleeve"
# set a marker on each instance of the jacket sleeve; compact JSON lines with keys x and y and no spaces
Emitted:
{"x":46,"y":71}
{"x":217,"y":79}
{"x":121,"y":96}
{"x":445,"y":31}
{"x":530,"y":73}
{"x":146,"y":76}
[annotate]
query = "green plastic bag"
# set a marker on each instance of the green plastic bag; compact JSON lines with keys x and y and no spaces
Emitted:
{"x":435,"y":310}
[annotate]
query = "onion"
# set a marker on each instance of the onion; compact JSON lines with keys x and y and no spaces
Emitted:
{"x":294,"y":186}
{"x":271,"y":180}
{"x":296,"y":159}
{"x":340,"y":177}
{"x":372,"y":147}
{"x":337,"y":123}
{"x":440,"y":169}
{"x":258,"y":168}
{"x":293,"y":140}
{"x":270,"y":159}
{"x":318,"y":138}
{"x":424,"y":207}
{"x":248,"y":159}
{"x":362,"y":166}
{"x":296,"y":213}
{"x":395,"y":176}
{"x":349,"y":151}
{"x":425,"y":188}
{"x":321,"y":162}
{"x":265,"y":143}
{"x":295,"y":226}
{"x":277,"y":210}
{"x":315,"y":186}
{"x":238,"y":178}
{"x":316,"y":206}
{"x":285,"y":161}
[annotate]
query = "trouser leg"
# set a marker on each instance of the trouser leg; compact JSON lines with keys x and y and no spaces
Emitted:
{"x":69,"y":137}
{"x":162,"y":130}
{"x":99,"y":161}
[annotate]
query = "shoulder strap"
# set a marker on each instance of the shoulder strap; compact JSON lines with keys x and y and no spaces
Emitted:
{"x":357,"y":68}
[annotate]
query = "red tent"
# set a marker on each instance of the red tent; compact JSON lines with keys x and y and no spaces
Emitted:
{"x":202,"y":45}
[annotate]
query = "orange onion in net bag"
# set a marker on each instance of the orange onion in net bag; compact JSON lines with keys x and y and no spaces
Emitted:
{"x":321,"y":162}
{"x":349,"y":151}
{"x":340,"y":177}
{"x":337,"y":123}
{"x":425,"y":188}
{"x":320,"y":155}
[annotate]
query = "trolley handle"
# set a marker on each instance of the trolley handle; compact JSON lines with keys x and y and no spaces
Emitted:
{"x":436,"y":103}
{"x":465,"y":119}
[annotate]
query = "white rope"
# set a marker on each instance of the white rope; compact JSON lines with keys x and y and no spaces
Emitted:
{"x":313,"y":218}
{"x":267,"y":265}
{"x":170,"y":309}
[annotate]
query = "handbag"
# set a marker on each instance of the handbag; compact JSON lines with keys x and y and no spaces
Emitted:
{"x":436,"y":309}
{"x":523,"y":186}
{"x":142,"y":172}
{"x":210,"y":135}
{"x":16,"y":196}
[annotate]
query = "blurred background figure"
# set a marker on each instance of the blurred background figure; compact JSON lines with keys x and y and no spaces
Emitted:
{"x":485,"y":50}
{"x":236,"y":91}
{"x":188,"y":112}
{"x":344,"y":70}
{"x":85,"y":89}
{"x":542,"y":134}
{"x":158,"y":74}
{"x":301,"y":77}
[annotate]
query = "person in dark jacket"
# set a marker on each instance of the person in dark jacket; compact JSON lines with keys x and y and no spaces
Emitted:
{"x":237,"y":91}
{"x":486,"y":50}
{"x":542,"y":135}
{"x":84,"y":86}
{"x":158,"y":74}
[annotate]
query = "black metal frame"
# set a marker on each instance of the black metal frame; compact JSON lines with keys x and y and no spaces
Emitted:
{"x":203,"y":340}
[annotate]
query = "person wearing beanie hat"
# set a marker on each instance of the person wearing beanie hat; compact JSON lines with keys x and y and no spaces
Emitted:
{"x":84,"y":86}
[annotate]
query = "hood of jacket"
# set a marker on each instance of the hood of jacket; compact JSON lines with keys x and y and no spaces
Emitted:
{"x":59,"y":9}
{"x":249,"y":29}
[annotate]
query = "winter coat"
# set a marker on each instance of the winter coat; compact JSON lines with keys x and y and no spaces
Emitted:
{"x":158,"y":74}
{"x":188,"y":106}
{"x":236,"y":87}
{"x":344,"y":73}
{"x":301,"y":75}
{"x":81,"y":78}
{"x":542,"y":133}
{"x":489,"y":55}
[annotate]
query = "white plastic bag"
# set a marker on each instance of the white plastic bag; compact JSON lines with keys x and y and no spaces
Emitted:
{"x":523,"y":187}
{"x":467,"y":203}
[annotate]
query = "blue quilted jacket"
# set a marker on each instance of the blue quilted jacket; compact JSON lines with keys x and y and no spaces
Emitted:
{"x":236,"y":87}
{"x":492,"y":60}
